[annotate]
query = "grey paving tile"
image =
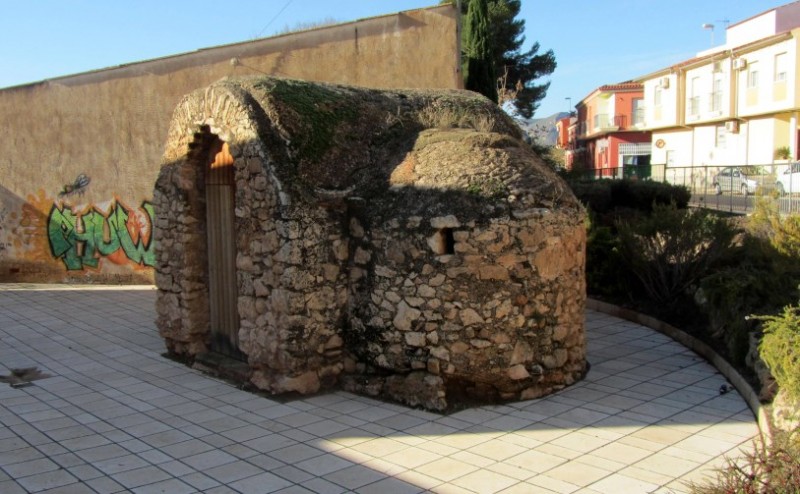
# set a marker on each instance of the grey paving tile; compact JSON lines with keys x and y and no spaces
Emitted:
{"x":645,"y":396}
{"x":46,"y":480}
{"x":200,"y":481}
{"x":30,"y":467}
{"x":105,"y":452}
{"x":355,"y":476}
{"x":20,"y":455}
{"x":171,"y":486}
{"x":261,"y":483}
{"x":71,"y":489}
{"x":140,"y":476}
{"x":209,"y":459}
{"x":85,"y":472}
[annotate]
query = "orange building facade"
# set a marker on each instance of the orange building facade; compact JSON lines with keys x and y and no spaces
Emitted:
{"x":607,"y":134}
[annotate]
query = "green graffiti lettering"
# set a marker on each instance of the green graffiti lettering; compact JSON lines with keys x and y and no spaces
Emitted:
{"x":80,"y":241}
{"x":138,"y":252}
{"x":61,"y":229}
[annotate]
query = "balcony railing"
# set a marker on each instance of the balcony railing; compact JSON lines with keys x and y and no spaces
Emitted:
{"x":716,"y":101}
{"x":694,"y":106}
{"x":601,"y":121}
{"x":638,"y":117}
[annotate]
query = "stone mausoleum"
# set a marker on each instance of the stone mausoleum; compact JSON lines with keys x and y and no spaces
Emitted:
{"x":404,"y":244}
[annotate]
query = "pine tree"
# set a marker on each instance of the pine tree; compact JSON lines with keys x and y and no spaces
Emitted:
{"x":516,"y":69}
{"x":521,"y":67}
{"x":478,"y":65}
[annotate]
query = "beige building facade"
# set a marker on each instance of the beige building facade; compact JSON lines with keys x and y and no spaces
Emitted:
{"x":733,"y":105}
{"x":81,"y":153}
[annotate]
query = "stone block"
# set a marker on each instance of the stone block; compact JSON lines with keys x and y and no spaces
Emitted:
{"x":518,"y":372}
{"x":469,"y":317}
{"x":493,"y":273}
{"x":448,"y":221}
{"x":405,"y":317}
{"x":415,"y":339}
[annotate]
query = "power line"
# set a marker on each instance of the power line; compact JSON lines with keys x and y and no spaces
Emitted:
{"x":274,"y":18}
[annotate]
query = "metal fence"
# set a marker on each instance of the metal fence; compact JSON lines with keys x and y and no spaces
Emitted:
{"x":734,"y":189}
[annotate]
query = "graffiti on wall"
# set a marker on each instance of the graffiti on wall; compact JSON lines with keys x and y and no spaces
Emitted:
{"x":78,"y":186}
{"x":4,"y":244}
{"x":80,"y":238}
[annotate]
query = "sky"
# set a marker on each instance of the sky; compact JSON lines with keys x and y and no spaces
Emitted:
{"x":595,"y":42}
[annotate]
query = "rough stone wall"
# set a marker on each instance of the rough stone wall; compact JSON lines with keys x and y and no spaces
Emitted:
{"x":422,"y":264}
{"x":109,"y":126}
{"x":289,"y":260}
{"x":500,"y":318}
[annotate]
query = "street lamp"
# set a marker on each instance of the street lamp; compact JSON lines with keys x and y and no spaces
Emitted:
{"x":710,"y":27}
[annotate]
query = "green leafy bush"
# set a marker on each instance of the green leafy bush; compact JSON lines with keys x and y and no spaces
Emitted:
{"x":782,"y":231}
{"x":642,"y":195}
{"x":604,"y":196}
{"x":672,"y":249}
{"x":772,"y":467}
{"x":780,"y":350}
{"x":605,"y":270}
{"x":752,"y":278}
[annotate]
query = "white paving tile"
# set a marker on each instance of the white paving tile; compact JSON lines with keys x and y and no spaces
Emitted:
{"x":117,"y":417}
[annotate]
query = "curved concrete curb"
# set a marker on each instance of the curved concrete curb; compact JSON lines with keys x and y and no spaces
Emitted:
{"x":726,"y":369}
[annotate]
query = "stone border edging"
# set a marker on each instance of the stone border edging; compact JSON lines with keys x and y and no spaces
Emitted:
{"x":698,"y":347}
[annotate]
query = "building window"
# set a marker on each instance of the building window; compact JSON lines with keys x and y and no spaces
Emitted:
{"x":752,"y":75}
{"x":638,"y":111}
{"x":722,"y":136}
{"x":694,"y":98}
{"x":780,"y":67}
{"x":716,"y":95}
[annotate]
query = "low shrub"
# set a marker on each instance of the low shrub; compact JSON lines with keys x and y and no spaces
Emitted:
{"x":672,"y":249}
{"x":752,"y":278}
{"x":783,"y":232}
{"x":642,"y":195}
{"x":780,"y":349}
{"x":772,"y":467}
{"x":605,"y":273}
{"x":606,"y":196}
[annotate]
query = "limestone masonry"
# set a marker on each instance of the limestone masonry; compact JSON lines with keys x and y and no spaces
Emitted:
{"x":401,"y":243}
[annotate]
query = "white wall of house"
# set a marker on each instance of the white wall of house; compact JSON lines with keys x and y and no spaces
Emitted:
{"x":708,"y":90}
{"x":767,"y":83}
{"x":716,"y":145}
{"x":661,"y":105}
{"x":753,"y":29}
{"x":678,"y":146}
{"x":760,"y":134}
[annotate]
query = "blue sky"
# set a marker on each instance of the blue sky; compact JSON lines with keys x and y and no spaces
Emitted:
{"x":596,"y":42}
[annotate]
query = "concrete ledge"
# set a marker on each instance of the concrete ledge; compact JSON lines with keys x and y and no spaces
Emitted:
{"x":750,"y":396}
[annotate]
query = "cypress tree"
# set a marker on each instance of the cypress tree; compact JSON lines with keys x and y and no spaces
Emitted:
{"x":478,"y":64}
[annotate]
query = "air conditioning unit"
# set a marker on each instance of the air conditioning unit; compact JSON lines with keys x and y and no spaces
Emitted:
{"x":739,"y":63}
{"x":732,"y":126}
{"x":664,"y":82}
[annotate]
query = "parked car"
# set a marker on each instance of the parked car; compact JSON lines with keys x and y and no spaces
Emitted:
{"x":789,"y":180}
{"x":744,"y":179}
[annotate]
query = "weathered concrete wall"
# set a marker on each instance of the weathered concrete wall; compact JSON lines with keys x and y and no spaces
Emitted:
{"x":376,"y":244}
{"x":87,"y":146}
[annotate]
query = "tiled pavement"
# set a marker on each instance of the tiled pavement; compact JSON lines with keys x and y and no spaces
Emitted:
{"x":118,"y":417}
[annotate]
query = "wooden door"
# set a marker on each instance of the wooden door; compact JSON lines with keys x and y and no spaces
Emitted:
{"x":222,"y":287}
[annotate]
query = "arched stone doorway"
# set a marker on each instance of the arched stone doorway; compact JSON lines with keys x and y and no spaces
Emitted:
{"x":221,"y":253}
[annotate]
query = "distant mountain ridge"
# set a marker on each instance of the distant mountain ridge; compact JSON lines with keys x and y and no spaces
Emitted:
{"x":542,"y":130}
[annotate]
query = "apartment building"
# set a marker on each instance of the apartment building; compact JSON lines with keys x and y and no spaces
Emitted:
{"x":609,"y":131}
{"x":735,"y":104}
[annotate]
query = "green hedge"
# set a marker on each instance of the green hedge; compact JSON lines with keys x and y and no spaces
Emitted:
{"x":605,"y":196}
